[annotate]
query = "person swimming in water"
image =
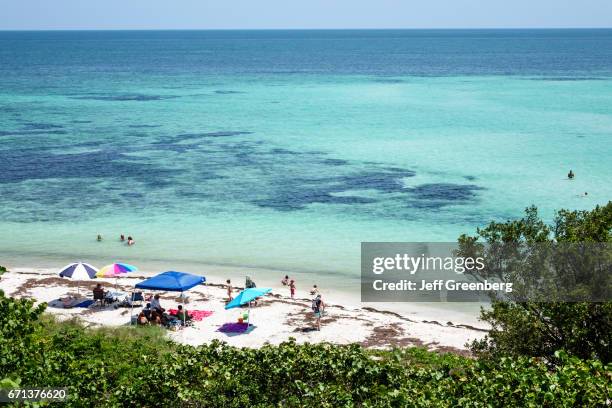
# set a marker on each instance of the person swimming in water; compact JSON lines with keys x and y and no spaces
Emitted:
{"x":130,"y":241}
{"x":570,"y":175}
{"x":99,"y":238}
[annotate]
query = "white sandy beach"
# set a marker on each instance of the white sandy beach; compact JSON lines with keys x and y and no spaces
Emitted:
{"x":276,"y":318}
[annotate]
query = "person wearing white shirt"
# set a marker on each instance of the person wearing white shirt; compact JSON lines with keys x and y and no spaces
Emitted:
{"x":155,"y":305}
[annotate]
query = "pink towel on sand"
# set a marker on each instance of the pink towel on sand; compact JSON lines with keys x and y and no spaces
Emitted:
{"x":196,"y":315}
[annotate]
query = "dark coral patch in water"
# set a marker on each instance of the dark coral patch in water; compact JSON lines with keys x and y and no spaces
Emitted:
{"x":21,"y":165}
{"x":568,"y":79}
{"x":296,"y":199}
{"x":389,"y":80}
{"x":174,"y":143}
{"x":296,"y":193}
{"x":40,"y":126}
{"x":125,"y":97}
{"x":31,"y":132}
{"x":437,"y":195}
{"x":144,"y":126}
{"x":334,"y":162}
{"x":385,"y":181}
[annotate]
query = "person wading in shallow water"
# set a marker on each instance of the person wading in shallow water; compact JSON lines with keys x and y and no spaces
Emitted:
{"x":570,"y":175}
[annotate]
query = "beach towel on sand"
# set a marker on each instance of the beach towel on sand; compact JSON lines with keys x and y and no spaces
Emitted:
{"x":196,"y":315}
{"x":67,"y":303}
{"x":85,"y":303}
{"x":235,"y":328}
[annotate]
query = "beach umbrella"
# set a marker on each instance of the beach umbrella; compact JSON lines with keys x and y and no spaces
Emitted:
{"x":246,"y":297}
{"x":115,"y":270}
{"x":172,"y":281}
{"x":78,"y":271}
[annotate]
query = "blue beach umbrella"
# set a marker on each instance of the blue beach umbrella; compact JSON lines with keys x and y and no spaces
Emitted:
{"x":171,"y":281}
{"x":247,"y":296}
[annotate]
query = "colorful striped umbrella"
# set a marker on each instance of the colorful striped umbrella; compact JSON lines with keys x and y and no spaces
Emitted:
{"x":115,"y":269}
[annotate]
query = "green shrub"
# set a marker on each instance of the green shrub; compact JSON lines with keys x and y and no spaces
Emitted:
{"x":133,"y":367}
{"x":519,"y":328}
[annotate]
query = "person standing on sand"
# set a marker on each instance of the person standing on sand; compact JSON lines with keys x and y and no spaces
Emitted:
{"x":229,"y":291}
{"x":317,"y":308}
{"x":292,"y":288}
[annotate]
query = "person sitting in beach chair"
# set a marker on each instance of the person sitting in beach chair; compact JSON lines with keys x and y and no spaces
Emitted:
{"x":248,"y":284}
{"x":136,"y":297}
{"x":155,"y":304}
{"x":98,"y":294}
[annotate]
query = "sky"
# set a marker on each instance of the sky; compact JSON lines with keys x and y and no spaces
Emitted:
{"x":279,"y":14}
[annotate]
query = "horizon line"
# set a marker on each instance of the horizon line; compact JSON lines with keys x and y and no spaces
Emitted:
{"x":307,"y":29}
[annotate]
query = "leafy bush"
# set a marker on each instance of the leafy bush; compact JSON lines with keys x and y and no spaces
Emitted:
{"x":134,"y":367}
{"x":539,"y":329}
{"x":18,"y":322}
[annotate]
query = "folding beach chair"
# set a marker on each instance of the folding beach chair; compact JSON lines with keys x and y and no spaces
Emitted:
{"x":137,"y":297}
{"x":98,"y":296}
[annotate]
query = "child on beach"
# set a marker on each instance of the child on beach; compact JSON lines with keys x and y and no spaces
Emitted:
{"x":183,"y":315}
{"x":285,"y":280}
{"x":229,"y":291}
{"x":292,"y":288}
{"x":314,"y":291}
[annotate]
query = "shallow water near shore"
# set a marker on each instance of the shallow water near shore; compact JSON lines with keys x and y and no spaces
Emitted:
{"x":280,"y":152}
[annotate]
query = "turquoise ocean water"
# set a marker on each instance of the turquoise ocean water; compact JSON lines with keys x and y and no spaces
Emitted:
{"x":284,"y":150}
